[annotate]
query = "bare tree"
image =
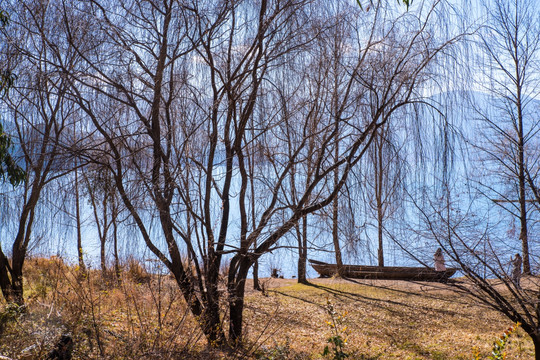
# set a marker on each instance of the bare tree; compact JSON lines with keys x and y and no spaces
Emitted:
{"x":8,"y":167}
{"x":470,"y":240}
{"x":387,"y":181}
{"x":510,"y":43}
{"x":172,"y":90}
{"x":39,"y":115}
{"x":99,"y":187}
{"x":7,"y":78}
{"x":505,"y":142}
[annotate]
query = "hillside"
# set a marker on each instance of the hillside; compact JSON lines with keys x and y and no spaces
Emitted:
{"x":144,"y":317}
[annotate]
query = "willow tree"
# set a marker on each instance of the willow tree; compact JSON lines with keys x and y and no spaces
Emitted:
{"x":9,"y":169}
{"x":172,"y":89}
{"x":463,"y":221}
{"x":482,"y":255}
{"x":38,"y":113}
{"x":7,"y":78}
{"x":507,"y":109}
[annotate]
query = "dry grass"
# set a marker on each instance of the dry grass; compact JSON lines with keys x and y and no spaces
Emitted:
{"x":386,"y":319}
{"x":149,"y":320}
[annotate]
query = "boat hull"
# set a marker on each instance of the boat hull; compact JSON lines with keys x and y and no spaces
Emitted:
{"x":383,"y":273}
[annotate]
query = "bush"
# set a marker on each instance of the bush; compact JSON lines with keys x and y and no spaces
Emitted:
{"x":9,"y":313}
{"x":338,"y":339}
{"x":498,"y":350}
{"x":137,"y":272}
{"x":277,"y":352}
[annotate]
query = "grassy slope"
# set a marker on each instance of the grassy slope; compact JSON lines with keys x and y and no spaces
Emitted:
{"x":385,"y":319}
{"x":144,"y":319}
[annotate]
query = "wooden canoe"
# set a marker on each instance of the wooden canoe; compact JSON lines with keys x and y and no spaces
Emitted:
{"x":383,"y":273}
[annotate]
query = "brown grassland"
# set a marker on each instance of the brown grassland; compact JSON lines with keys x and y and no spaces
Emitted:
{"x":143,"y":316}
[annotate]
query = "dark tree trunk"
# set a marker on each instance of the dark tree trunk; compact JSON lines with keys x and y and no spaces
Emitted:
{"x":335,"y":236}
{"x":116,"y":257}
{"x":302,"y":267}
{"x":212,"y":325}
{"x":207,"y":315}
{"x":525,"y":244}
{"x":236,"y":308}
{"x":82,"y":266}
{"x":103,"y":239}
{"x":335,"y":213}
{"x":536,"y":342}
{"x":379,"y":184}
{"x":236,"y":289}
{"x":206,"y":309}
{"x":256,"y":284}
{"x":20,"y":245}
{"x":17,"y":280}
{"x":103,"y":257}
{"x":380,"y":251}
{"x":5,"y":279}
{"x":523,"y":234}
{"x":302,"y":253}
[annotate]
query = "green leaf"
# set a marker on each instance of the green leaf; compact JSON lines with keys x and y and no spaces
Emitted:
{"x":8,"y":167}
{"x":326,"y":351}
{"x":4,"y":18}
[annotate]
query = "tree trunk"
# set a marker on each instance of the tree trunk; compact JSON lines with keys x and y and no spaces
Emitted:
{"x":17,"y":279}
{"x":17,"y":291}
{"x":116,"y":257}
{"x":208,"y":317}
{"x":525,"y":245}
{"x":11,"y":280}
{"x":236,"y":308}
{"x":256,"y":284}
{"x":379,"y":184}
{"x":20,"y":246}
{"x":335,"y":210}
{"x":82,"y":267}
{"x":236,"y":289}
{"x":5,"y":272}
{"x":380,"y":215}
{"x":206,"y":309}
{"x":302,"y":253}
{"x":523,"y":235}
{"x":103,"y":239}
{"x":103,"y":257}
{"x":380,"y":251}
{"x":335,"y":236}
{"x":212,"y":326}
{"x":536,"y":342}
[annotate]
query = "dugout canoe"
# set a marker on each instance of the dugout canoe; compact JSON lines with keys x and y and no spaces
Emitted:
{"x":383,"y":273}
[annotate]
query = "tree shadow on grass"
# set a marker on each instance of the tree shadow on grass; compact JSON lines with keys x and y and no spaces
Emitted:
{"x":394,"y":301}
{"x":383,"y":304}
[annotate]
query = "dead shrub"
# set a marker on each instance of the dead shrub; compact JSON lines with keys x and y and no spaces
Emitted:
{"x":136,"y":272}
{"x":42,"y":276}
